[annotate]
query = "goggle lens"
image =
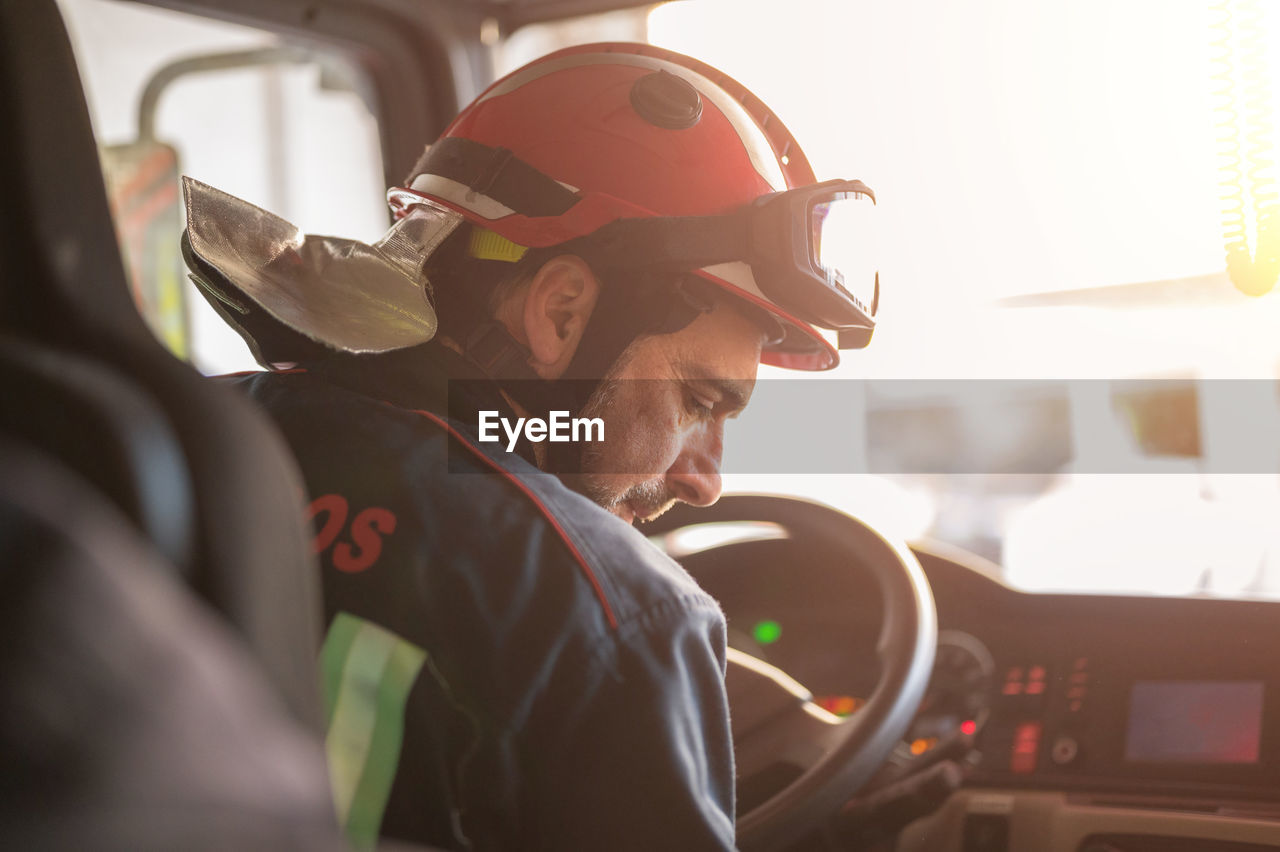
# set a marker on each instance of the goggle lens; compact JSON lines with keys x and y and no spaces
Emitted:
{"x":843,"y":244}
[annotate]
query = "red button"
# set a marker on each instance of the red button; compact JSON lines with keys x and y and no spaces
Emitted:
{"x":1026,"y":744}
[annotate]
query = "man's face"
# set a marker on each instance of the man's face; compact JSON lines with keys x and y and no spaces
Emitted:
{"x":664,"y":409}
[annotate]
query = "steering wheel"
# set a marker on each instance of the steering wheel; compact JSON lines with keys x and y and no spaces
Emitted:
{"x":775,"y":721}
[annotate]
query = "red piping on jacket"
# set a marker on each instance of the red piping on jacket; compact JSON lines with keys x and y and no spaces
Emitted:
{"x":542,"y":507}
{"x":243,"y":373}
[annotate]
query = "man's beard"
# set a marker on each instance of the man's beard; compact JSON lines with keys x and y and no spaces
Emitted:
{"x":647,"y":499}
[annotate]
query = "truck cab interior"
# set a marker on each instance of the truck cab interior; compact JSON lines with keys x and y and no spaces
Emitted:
{"x":1070,"y":414}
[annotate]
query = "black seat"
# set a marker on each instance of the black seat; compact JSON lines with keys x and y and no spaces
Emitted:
{"x":133,"y":719}
{"x":201,"y":473}
{"x":160,"y":603}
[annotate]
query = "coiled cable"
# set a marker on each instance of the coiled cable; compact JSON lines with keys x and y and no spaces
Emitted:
{"x":1245,"y":126}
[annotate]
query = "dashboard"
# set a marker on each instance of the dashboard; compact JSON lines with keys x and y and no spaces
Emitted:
{"x":1143,"y":706}
{"x":1121,"y":694}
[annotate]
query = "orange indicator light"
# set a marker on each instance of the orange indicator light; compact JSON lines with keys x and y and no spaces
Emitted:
{"x":922,"y":745}
{"x":840,"y":705}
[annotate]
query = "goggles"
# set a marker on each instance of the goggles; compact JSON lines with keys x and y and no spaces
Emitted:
{"x":810,"y":250}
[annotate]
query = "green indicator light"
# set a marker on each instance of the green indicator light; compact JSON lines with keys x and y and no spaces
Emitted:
{"x":767,"y":632}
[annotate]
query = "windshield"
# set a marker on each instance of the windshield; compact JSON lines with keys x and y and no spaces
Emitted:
{"x":1064,"y":377}
{"x":1068,"y":376}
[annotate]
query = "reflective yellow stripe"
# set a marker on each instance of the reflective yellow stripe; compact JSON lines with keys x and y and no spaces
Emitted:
{"x":486,"y":245}
{"x":366,"y":722}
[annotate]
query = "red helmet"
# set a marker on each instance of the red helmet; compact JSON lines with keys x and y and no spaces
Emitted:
{"x":597,"y":133}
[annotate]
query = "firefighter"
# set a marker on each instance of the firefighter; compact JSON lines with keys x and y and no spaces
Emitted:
{"x":616,"y":234}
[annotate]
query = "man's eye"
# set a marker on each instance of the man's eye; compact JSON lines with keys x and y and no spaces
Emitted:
{"x":697,"y":405}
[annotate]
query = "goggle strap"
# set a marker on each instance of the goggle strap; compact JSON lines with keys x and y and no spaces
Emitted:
{"x":681,"y":242}
{"x":498,"y":174}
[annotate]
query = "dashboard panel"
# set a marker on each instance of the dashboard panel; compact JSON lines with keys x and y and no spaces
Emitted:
{"x":1170,"y":704}
{"x":1135,"y":695}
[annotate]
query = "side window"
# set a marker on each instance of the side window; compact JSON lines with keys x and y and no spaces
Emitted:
{"x":286,"y":125}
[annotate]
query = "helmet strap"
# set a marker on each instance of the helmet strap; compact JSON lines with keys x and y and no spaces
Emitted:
{"x":491,"y":347}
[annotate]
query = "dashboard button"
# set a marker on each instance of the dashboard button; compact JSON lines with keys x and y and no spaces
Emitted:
{"x":1065,"y":751}
{"x":1026,"y":745}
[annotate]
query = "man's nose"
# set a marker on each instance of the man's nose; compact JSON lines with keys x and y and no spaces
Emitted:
{"x":695,"y":476}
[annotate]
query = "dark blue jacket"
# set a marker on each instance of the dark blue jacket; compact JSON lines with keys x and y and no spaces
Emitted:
{"x":507,"y":665}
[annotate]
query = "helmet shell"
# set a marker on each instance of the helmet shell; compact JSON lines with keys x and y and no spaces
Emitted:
{"x":608,"y":122}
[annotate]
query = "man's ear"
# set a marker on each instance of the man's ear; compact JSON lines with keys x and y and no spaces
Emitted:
{"x":559,"y":302}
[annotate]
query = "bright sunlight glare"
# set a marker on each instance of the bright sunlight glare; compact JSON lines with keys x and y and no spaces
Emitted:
{"x":1069,"y":153}
{"x":1015,"y":148}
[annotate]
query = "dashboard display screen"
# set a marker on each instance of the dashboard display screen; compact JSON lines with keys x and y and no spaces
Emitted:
{"x":1195,"y":722}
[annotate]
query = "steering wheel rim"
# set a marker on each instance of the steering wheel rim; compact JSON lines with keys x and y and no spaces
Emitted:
{"x":853,"y":749}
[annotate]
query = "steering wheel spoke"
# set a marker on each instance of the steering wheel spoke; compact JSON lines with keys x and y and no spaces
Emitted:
{"x":774,"y":720}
